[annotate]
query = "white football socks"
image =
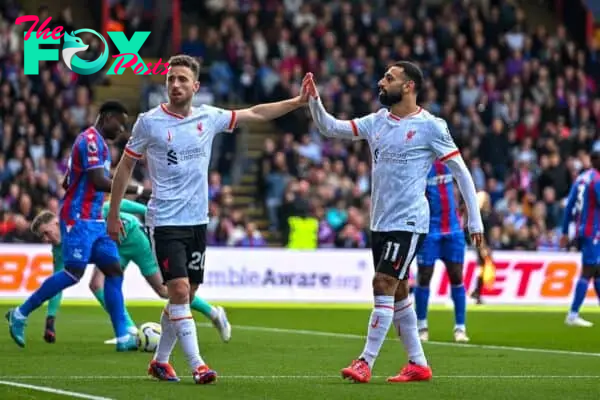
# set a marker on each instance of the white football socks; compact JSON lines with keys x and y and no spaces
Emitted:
{"x":185,"y":327}
{"x":379,"y":325}
{"x":167,"y":340}
{"x":405,"y":321}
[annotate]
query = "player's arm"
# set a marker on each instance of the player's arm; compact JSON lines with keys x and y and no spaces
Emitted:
{"x":335,"y":128}
{"x":327,"y":124}
{"x":104,"y":184}
{"x":447,"y":152}
{"x":134,"y":149}
{"x":568,"y":213}
{"x":93,"y":162}
{"x":267,"y":111}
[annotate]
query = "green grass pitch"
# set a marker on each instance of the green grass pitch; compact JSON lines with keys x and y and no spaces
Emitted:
{"x":296,"y":352}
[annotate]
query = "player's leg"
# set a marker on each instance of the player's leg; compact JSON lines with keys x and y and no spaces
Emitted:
{"x":588,"y":271}
{"x":394,"y":252}
{"x":597,"y":281}
{"x":170,"y":250}
{"x":405,"y":318}
{"x":76,"y":253}
{"x":426,"y":258}
{"x":380,"y":319}
{"x":53,"y":306}
{"x":186,"y":329}
{"x":143,"y":256}
{"x":106,"y":257}
{"x":453,"y":255}
{"x":217,"y":315}
{"x":96,"y":286}
{"x":179,"y":251}
{"x":581,"y":287}
{"x":425,"y":272}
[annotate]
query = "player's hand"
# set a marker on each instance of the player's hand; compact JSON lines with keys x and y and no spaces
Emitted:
{"x":115,"y":228}
{"x":564,"y":241}
{"x":477,"y":239}
{"x":309,"y":87}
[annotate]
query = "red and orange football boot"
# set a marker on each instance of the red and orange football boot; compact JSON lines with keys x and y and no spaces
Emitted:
{"x":412,"y":373}
{"x":359,"y":371}
{"x":162,"y":371}
{"x":203,"y":375}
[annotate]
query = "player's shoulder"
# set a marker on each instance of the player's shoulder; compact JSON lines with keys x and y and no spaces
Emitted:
{"x":208,"y":109}
{"x":153,"y":114}
{"x":378,"y":116}
{"x":209,"y":112}
{"x":430,"y":121}
{"x":89,"y":137}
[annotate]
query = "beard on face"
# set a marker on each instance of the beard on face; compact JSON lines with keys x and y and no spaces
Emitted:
{"x":180,"y":99}
{"x":388,"y":99}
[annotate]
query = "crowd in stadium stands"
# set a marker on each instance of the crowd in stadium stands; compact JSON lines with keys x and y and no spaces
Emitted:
{"x":521,"y":102}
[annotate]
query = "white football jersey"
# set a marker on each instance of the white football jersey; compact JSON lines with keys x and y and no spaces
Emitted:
{"x":403,"y":150}
{"x":178,"y":151}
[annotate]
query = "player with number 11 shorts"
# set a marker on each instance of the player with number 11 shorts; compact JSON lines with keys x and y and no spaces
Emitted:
{"x":404,"y":140}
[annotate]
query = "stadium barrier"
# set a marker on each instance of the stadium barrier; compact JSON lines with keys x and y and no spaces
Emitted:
{"x":324,"y":276}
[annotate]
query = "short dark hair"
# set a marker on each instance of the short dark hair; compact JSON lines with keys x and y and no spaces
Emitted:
{"x":412,"y":73}
{"x":111,"y":107}
{"x":182,"y":60}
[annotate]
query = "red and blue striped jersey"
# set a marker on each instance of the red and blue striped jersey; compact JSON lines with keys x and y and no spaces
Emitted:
{"x":583,"y":205}
{"x":443,"y":207}
{"x":82,"y":201}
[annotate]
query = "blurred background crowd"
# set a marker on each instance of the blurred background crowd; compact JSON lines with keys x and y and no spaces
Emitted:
{"x":519,"y":91}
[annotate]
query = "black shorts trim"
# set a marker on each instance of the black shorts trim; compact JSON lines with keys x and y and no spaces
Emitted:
{"x":393,"y":252}
{"x":180,"y":251}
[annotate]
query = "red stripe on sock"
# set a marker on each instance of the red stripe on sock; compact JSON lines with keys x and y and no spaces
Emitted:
{"x":180,"y":319}
{"x":403,"y":308}
{"x":384,"y":306}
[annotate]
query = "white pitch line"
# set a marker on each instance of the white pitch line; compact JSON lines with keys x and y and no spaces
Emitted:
{"x":435,"y":343}
{"x":290,"y":377}
{"x":53,"y":391}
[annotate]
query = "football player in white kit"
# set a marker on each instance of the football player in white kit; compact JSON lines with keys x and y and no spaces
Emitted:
{"x":404,"y":141}
{"x":176,"y":141}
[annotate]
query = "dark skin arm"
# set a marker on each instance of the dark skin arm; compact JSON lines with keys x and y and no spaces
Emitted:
{"x":103,"y":184}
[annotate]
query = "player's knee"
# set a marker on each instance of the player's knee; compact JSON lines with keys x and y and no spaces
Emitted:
{"x":75,"y":271}
{"x":424,"y":276}
{"x":384,"y":284}
{"x":455,"y":274}
{"x":95,"y":285}
{"x":112,"y":270}
{"x":179,"y":291}
{"x":588,"y":272}
{"x":402,"y":291}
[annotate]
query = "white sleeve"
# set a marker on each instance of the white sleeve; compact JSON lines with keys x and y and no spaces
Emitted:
{"x":467,"y":190}
{"x":441,"y":141}
{"x":223,"y":120}
{"x":355,"y":129}
{"x":136,"y":146}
